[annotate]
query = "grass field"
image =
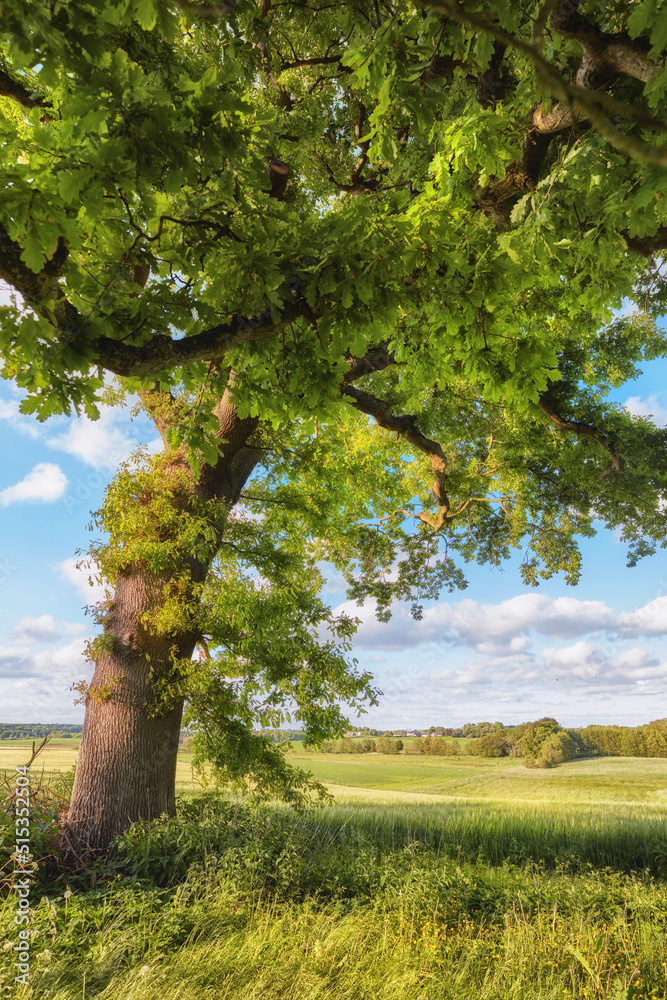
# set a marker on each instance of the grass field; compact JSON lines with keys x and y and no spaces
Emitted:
{"x":427,"y":879}
{"x":61,"y":755}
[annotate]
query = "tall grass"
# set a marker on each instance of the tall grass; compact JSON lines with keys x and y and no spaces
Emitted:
{"x":548,"y":895}
{"x":357,"y":903}
{"x":624,"y":840}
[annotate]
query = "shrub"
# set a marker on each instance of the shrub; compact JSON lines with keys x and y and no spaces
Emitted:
{"x":559,"y":747}
{"x":49,"y":799}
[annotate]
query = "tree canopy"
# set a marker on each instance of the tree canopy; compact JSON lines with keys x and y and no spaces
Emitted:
{"x":390,"y":240}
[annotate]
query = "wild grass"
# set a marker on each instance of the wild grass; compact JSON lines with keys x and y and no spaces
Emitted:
{"x":263,"y":903}
{"x":542,"y":885}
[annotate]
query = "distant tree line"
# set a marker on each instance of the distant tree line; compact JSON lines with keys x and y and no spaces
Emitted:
{"x":383,"y":744}
{"x":281,"y":735}
{"x":649,"y":740}
{"x":34,"y":731}
{"x":545,"y":743}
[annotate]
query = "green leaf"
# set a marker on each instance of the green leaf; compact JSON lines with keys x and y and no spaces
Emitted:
{"x":33,"y":253}
{"x":144,"y":13}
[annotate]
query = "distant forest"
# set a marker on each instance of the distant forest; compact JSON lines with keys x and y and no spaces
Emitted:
{"x":484,"y":739}
{"x":36,"y":730}
{"x":544,"y":743}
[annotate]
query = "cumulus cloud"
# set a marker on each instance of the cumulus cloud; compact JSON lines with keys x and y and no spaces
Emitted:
{"x":491,"y":628}
{"x":63,"y":664}
{"x":43,"y":629}
{"x":652,"y":407}
{"x":103,"y":443}
{"x":83,"y":578}
{"x":9,"y":409}
{"x":649,"y":620}
{"x":334,"y":582}
{"x":13,"y":661}
{"x":590,"y":671}
{"x":469,"y":654}
{"x":37,"y":688}
{"x":44,"y":484}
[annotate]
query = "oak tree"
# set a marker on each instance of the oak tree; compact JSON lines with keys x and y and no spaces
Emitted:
{"x":363,"y":264}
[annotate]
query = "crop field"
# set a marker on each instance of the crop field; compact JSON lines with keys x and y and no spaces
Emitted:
{"x":61,"y":756}
{"x":426,"y":879}
{"x":601,"y":780}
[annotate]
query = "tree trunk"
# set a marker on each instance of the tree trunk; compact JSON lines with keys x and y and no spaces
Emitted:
{"x":126,"y":769}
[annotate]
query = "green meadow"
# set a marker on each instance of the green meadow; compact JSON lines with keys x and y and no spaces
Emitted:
{"x":424,"y":879}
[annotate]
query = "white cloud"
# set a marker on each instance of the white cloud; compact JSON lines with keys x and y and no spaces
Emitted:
{"x":63,"y":664}
{"x":82,"y":577}
{"x":649,"y":620}
{"x":334,"y":582}
{"x":58,"y":664}
{"x":469,"y":654}
{"x":13,"y":661}
{"x":102,"y":443}
{"x":44,"y":484}
{"x":9,"y":409}
{"x":43,"y":629}
{"x":651,"y":407}
{"x":629,"y":672}
{"x":491,"y":628}
{"x":37,"y":688}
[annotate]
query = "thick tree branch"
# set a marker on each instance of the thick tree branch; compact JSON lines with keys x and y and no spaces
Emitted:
{"x":376,"y":359}
{"x":647,"y":245}
{"x":40,"y":287}
{"x":208,"y":10}
{"x":406,"y":427}
{"x":18,"y":92}
{"x":588,"y":101}
{"x":278,"y":173}
{"x":315,"y":61}
{"x":358,"y":186}
{"x":161,"y":351}
{"x":618,"y":53}
{"x":585,"y":430}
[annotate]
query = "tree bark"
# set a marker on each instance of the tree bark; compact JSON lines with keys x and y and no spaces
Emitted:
{"x":126,"y":769}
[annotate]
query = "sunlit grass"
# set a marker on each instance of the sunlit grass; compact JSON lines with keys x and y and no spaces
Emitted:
{"x":497,"y":883}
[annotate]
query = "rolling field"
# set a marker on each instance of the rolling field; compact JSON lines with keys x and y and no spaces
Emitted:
{"x":627,"y":781}
{"x":426,"y":879}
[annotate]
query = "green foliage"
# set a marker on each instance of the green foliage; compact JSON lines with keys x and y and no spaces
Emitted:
{"x":535,"y":736}
{"x":28,"y":730}
{"x":147,"y":147}
{"x":465,"y":894}
{"x":623,"y":741}
{"x":140,"y":225}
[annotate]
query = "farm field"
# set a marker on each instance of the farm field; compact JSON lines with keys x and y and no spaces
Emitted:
{"x":61,"y":755}
{"x":426,"y":879}
{"x":394,"y":772}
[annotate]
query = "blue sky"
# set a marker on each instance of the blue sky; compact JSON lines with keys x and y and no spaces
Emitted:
{"x":498,"y":650}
